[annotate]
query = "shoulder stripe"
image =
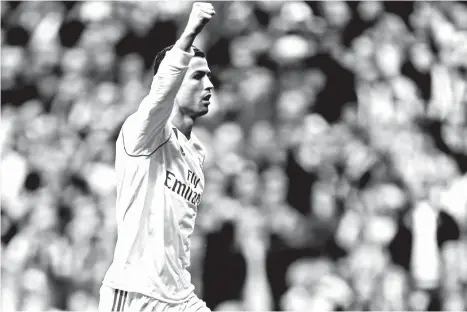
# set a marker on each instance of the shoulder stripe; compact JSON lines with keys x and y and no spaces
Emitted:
{"x":123,"y":142}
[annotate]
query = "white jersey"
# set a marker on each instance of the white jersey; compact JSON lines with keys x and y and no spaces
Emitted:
{"x":159,"y":185}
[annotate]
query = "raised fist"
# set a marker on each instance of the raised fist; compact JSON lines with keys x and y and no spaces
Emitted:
{"x":200,"y":15}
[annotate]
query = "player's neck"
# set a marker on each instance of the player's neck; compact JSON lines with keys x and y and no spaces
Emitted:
{"x":183,"y":123}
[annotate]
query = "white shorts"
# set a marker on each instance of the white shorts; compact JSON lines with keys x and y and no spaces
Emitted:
{"x":119,"y":300}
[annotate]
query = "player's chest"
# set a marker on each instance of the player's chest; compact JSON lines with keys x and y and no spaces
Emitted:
{"x":183,"y":173}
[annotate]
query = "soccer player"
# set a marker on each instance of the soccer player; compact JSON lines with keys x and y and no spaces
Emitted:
{"x":159,"y":183}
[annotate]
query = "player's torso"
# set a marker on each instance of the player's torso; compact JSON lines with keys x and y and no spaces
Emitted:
{"x":181,"y":179}
{"x":157,"y":202}
{"x":170,"y":179}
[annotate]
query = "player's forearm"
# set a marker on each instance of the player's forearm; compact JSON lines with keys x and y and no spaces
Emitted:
{"x":185,"y":41}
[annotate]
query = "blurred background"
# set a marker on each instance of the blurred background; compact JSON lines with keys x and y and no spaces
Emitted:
{"x":336,"y":176}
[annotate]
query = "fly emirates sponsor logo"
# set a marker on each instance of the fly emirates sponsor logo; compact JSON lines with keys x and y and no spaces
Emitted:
{"x":185,"y":189}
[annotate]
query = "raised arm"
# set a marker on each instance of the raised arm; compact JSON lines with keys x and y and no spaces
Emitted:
{"x":145,"y":130}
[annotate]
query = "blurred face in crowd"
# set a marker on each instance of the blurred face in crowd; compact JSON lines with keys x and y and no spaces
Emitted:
{"x":419,"y":300}
{"x":47,"y":86}
{"x":75,"y":60}
{"x":388,"y":59}
{"x":228,"y":138}
{"x":131,"y":66}
{"x":434,"y":192}
{"x":103,"y":58}
{"x":380,"y":230}
{"x":323,"y":203}
{"x":35,"y":301}
{"x":275,"y":186}
{"x":350,"y":115}
{"x":195,"y":92}
{"x":261,"y":137}
{"x":421,"y":57}
{"x":336,"y":12}
{"x":453,"y":302}
{"x":292,"y":105}
{"x":215,"y":183}
{"x":36,"y":288}
{"x":369,"y":10}
{"x":85,"y":224}
{"x":238,"y":16}
{"x":79,"y":301}
{"x":455,"y":137}
{"x":246,"y":185}
{"x":452,"y":259}
{"x":395,"y":286}
{"x":366,"y":262}
{"x":44,"y":217}
{"x":12,"y":64}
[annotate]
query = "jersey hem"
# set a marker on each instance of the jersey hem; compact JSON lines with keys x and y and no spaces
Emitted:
{"x":147,"y":294}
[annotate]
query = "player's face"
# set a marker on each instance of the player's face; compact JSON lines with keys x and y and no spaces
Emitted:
{"x":196,"y":90}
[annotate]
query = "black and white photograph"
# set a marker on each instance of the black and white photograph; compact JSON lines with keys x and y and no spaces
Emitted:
{"x":192,"y":156}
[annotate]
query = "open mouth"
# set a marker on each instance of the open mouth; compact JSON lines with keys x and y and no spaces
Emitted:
{"x":207,"y":97}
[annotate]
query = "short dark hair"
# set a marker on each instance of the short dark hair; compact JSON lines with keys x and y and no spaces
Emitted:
{"x":160,"y":56}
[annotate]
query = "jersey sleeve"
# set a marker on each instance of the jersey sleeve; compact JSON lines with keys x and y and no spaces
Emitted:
{"x":146,"y":129}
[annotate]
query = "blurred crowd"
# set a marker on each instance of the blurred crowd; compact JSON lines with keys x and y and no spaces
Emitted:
{"x":336,"y":174}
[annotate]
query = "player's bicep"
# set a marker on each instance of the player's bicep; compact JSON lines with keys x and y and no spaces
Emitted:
{"x":143,"y":132}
